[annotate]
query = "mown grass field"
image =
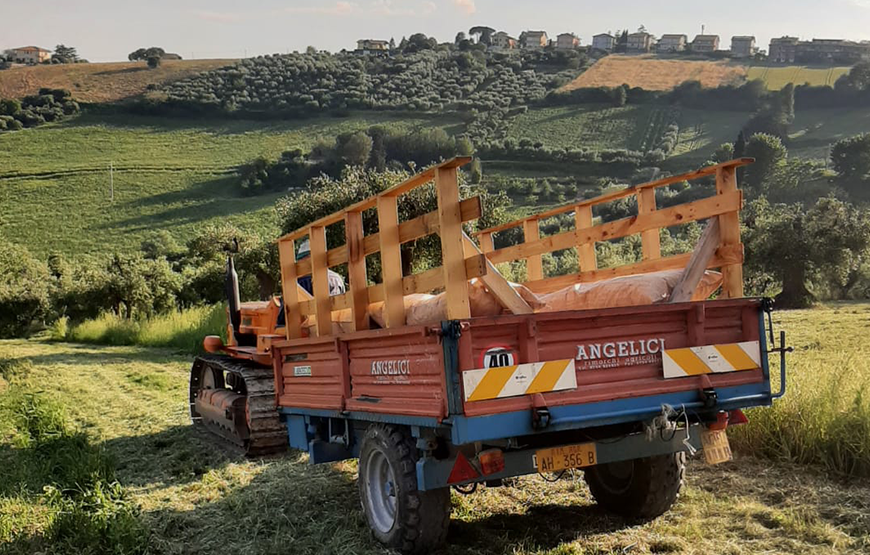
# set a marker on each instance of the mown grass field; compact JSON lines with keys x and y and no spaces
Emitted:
{"x":100,"y":82}
{"x":776,"y":77}
{"x":656,"y":74}
{"x":195,"y":497}
{"x":168,"y":174}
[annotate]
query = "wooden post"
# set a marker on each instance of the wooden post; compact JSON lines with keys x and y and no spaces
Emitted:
{"x":585,"y":251}
{"x":729,"y":231}
{"x":391,"y":261}
{"x":485,"y":242}
{"x":698,"y":262}
{"x":320,"y":280}
{"x":534,"y":266}
{"x":453,"y":259}
{"x":650,"y":239}
{"x":292,"y":314}
{"x":497,"y":284}
{"x":356,"y":270}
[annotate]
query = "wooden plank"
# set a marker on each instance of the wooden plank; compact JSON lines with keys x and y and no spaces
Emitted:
{"x":453,"y":260}
{"x":411,"y":183}
{"x":729,"y":233}
{"x":320,"y":280}
{"x":391,"y":260}
{"x":534,"y":264}
{"x":650,"y":239}
{"x":289,"y":288}
{"x":421,"y":226}
{"x":622,"y":193}
{"x":698,"y":263}
{"x":424,"y":282}
{"x":680,"y":214}
{"x":356,"y":270}
{"x":485,"y":242}
{"x":585,"y":251}
{"x":507,"y":296}
{"x":724,"y":256}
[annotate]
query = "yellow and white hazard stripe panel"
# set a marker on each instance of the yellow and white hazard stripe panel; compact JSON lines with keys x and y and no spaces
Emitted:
{"x":519,"y":379}
{"x":711,"y":359}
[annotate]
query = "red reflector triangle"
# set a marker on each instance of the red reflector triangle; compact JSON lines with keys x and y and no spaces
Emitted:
{"x":462,"y":471}
{"x":737,"y":417}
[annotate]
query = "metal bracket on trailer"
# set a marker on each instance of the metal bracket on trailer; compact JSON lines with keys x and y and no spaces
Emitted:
{"x":767,"y":307}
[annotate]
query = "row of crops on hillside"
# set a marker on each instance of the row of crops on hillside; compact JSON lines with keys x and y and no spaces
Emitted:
{"x":430,"y":80}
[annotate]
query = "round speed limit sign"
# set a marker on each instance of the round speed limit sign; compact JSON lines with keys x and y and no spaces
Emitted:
{"x":498,"y":357}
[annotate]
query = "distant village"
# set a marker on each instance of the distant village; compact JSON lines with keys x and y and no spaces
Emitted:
{"x":781,"y":50}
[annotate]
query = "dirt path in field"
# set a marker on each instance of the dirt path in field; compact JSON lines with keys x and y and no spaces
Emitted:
{"x":193,"y":494}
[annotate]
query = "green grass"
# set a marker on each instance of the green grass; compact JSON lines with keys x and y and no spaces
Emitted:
{"x":813,"y":131}
{"x":595,"y":127}
{"x":169,"y":174}
{"x":191,"y":492}
{"x":702,"y":131}
{"x":182,"y":329}
{"x":776,"y":77}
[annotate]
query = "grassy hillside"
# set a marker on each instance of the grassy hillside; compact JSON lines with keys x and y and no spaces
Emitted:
{"x":104,"y":82}
{"x":169,"y":174}
{"x":191,"y":492}
{"x":655,"y":74}
{"x":776,"y":77}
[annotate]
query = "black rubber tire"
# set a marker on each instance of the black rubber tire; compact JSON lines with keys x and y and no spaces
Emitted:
{"x":647,"y":490}
{"x":422,"y":517}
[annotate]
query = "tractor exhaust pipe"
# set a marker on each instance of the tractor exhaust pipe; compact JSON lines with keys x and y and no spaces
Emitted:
{"x":232,"y":290}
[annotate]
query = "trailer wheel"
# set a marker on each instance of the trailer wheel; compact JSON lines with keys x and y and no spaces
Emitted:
{"x":399,"y":515}
{"x":639,"y":488}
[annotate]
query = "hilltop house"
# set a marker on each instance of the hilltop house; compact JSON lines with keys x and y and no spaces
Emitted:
{"x":30,"y":55}
{"x":827,"y":51}
{"x":503,"y":41}
{"x":743,"y":47}
{"x":783,"y":49}
{"x":372,"y":47}
{"x":567,"y":41}
{"x":671,"y":43}
{"x":639,"y":42}
{"x":705,"y":43}
{"x":603,"y":41}
{"x":534,"y":39}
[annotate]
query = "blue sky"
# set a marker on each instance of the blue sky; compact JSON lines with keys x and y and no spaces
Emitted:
{"x":106,"y":30}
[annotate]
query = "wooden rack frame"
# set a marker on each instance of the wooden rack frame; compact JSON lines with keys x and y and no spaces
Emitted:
{"x":463,"y":260}
{"x":725,"y":204}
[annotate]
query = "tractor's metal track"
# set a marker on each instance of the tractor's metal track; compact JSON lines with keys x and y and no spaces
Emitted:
{"x":267,"y":434}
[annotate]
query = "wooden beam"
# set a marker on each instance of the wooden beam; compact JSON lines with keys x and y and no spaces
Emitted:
{"x":453,"y":260}
{"x":320,"y":280}
{"x":666,"y":217}
{"x":391,"y":261}
{"x":650,"y":239}
{"x":729,"y":232}
{"x":698,"y":262}
{"x":289,"y":287}
{"x":723,"y":257}
{"x":534,"y":264}
{"x":356,"y":270}
{"x":507,"y":296}
{"x":485,"y":242}
{"x":421,"y":226}
{"x":622,"y":193}
{"x":585,"y":251}
{"x":411,"y":183}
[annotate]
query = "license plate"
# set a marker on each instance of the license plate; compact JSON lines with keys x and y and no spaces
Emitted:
{"x":716,"y":447}
{"x":561,"y":458}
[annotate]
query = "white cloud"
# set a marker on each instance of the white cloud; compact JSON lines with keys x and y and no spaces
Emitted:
{"x":390,"y":8}
{"x":338,"y":9}
{"x":467,"y":6}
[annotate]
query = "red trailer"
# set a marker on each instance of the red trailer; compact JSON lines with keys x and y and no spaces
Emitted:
{"x":622,"y":391}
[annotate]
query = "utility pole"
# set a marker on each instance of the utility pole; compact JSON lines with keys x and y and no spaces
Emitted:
{"x":111,"y":181}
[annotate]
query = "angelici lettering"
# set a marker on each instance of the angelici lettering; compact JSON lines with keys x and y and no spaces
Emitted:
{"x":391,"y":367}
{"x":620,"y":353}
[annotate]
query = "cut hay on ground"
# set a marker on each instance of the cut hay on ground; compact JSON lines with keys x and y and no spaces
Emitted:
{"x":655,"y":74}
{"x":104,"y":82}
